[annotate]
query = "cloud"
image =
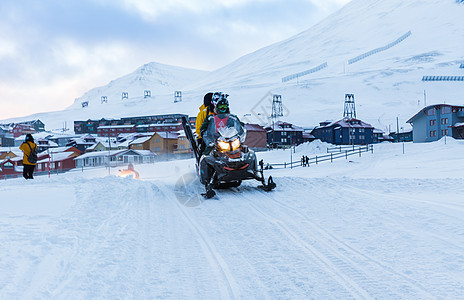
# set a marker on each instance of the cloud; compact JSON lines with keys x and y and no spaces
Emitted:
{"x":53,"y":51}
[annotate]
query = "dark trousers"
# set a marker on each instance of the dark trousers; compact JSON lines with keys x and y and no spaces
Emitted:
{"x":28,"y":170}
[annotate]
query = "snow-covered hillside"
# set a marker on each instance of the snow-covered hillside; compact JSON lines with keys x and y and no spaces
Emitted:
{"x":157,"y":78}
{"x":406,"y":40}
{"x":384,"y":226}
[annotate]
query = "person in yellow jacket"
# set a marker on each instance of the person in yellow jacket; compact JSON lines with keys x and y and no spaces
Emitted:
{"x":206,"y":109}
{"x":28,"y":147}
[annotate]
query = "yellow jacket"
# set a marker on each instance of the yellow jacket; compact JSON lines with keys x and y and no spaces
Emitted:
{"x":201,"y":118}
{"x":27,"y":151}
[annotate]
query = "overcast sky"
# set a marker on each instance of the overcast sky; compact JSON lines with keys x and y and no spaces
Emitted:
{"x":53,"y":51}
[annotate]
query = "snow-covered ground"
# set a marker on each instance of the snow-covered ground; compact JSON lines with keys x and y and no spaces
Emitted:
{"x":386,"y":225}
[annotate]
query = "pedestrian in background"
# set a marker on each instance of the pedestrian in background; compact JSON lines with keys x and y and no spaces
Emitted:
{"x":29,"y":149}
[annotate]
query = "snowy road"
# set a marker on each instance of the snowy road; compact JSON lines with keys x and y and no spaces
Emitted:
{"x":332,"y":237}
{"x":134,"y":239}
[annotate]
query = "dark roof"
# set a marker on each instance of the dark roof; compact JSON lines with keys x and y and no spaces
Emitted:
{"x":254,"y":127}
{"x":284,"y":126}
{"x":349,"y":123}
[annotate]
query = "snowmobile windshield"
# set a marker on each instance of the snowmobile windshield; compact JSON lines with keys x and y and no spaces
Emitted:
{"x":226,"y":126}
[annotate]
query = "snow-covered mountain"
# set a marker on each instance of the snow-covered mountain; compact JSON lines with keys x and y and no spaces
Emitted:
{"x":157,"y":78}
{"x":378,"y":50}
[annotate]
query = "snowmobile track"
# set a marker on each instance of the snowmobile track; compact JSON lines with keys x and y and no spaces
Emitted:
{"x":342,"y":249}
{"x":228,"y":285}
{"x":358,"y":268}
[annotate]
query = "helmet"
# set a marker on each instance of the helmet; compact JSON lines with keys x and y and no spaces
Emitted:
{"x":207,"y":99}
{"x":218,"y":96}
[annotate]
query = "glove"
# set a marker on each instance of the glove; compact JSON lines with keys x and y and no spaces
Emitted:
{"x":201,"y":146}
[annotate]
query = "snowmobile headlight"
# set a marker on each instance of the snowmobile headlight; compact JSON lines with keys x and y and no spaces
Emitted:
{"x":224,"y":146}
{"x":235,"y":144}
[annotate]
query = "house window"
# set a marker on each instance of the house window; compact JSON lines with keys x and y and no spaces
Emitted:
{"x":433,"y":133}
{"x":361,"y":137}
{"x":444,"y":121}
{"x":284,"y":133}
{"x":352,"y":130}
{"x":361,"y":129}
{"x":445,"y":109}
{"x":284,"y":140}
{"x":431,"y":112}
{"x":158,"y":141}
{"x":157,"y":149}
{"x":433,"y":122}
{"x":444,"y":132}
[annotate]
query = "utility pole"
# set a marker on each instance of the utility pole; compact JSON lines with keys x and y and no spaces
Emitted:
{"x":397,"y":130}
{"x":109,"y":150}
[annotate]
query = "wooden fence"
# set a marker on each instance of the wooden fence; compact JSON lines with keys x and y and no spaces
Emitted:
{"x":333,"y":154}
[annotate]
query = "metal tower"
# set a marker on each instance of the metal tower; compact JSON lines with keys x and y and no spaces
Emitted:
{"x":350,"y":109}
{"x":177,"y":96}
{"x":277,"y":110}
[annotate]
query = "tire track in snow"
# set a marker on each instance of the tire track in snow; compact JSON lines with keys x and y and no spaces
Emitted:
{"x":331,"y":264}
{"x":228,"y":285}
{"x":341,"y":249}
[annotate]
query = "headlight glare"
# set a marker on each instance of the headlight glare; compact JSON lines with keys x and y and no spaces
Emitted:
{"x":235,"y":144}
{"x":223,"y":145}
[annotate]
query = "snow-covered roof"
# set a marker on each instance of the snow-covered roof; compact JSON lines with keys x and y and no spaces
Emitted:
{"x":351,"y":123}
{"x":168,"y":135}
{"x":144,"y":152}
{"x":140,"y":140}
{"x":39,"y":135}
{"x":115,"y":126}
{"x":100,"y":153}
{"x":431,"y":106}
{"x":459,"y":124}
{"x":8,"y":149}
{"x":57,"y":157}
{"x":254,"y":127}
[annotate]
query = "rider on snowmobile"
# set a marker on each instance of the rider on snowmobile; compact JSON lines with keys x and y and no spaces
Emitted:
{"x":219,"y":119}
{"x":206,"y":109}
{"x":213,"y":123}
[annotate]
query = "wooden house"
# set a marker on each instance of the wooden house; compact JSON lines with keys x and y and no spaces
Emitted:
{"x":9,"y":169}
{"x":256,"y":137}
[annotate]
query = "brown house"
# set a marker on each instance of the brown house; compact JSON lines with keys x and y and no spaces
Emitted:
{"x":159,"y":143}
{"x":256,"y":136}
{"x":183,"y":144}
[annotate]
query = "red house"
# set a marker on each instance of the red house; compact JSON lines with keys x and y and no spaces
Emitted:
{"x":57,"y":162}
{"x":20,"y":129}
{"x":8,"y":169}
{"x":115,"y":130}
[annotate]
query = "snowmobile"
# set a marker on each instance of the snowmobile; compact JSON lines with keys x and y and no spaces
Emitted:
{"x":229,"y":162}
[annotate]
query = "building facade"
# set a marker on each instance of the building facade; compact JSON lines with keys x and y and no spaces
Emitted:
{"x":347,"y":131}
{"x":284,"y":134}
{"x":436,"y":121}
